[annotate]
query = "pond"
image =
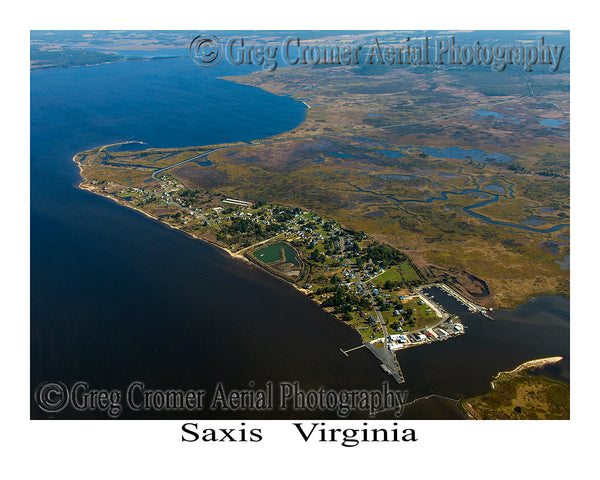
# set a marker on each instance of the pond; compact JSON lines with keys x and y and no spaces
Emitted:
{"x":552,"y":122}
{"x":464,"y":153}
{"x":495,"y":188}
{"x":489,"y":113}
{"x":534,"y":222}
{"x":272,"y":253}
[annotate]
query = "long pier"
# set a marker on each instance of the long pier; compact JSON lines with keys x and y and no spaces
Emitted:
{"x":346,"y":352}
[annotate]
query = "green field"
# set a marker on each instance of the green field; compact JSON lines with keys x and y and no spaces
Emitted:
{"x":421,"y":316}
{"x":398,"y":273}
{"x":362,"y":326}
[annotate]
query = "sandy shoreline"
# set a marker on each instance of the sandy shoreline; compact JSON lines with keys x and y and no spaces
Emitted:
{"x":537,"y":363}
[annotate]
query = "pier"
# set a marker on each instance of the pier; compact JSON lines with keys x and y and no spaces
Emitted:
{"x":346,"y":352}
{"x":389,"y":363}
{"x":445,"y":328}
{"x":387,"y":358}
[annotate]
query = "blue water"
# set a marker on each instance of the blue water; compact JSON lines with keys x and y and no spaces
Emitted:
{"x":552,"y":122}
{"x":475,"y":192}
{"x":489,"y":113}
{"x":162,"y":52}
{"x":463,"y":153}
{"x":534,"y":222}
{"x":141,"y":94}
{"x":392,"y":153}
{"x":117,"y":297}
{"x":495,"y":188}
{"x":342,"y":155}
{"x":126,"y":147}
{"x":480,"y":114}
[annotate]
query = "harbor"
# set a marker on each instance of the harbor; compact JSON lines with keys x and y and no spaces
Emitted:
{"x":446,"y":327}
{"x":473,"y":307}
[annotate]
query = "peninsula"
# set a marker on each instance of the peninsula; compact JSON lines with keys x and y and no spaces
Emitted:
{"x":394,"y":181}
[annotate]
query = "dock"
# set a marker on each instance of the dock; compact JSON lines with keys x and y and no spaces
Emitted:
{"x":445,"y":328}
{"x":473,"y":307}
{"x":346,"y":352}
{"x":389,"y":363}
{"x":387,"y":358}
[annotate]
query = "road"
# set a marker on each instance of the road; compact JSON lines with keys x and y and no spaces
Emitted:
{"x":385,"y":355}
{"x":376,"y":308}
{"x":157,"y":172}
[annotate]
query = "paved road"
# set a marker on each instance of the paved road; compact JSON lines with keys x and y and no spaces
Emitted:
{"x":185,"y":161}
{"x":376,"y":308}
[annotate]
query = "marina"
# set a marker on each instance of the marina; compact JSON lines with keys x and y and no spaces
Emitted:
{"x":447,"y":327}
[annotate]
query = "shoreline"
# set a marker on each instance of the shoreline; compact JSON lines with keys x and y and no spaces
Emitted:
{"x":236,"y":255}
{"x":466,"y":408}
{"x":536,"y":363}
{"x":242,"y":254}
{"x":195,"y":237}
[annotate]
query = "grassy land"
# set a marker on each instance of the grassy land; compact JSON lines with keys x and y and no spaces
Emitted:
{"x":421,"y":316}
{"x":398,"y":273}
{"x":363,"y":326}
{"x":412,"y":202}
{"x":522,"y":397}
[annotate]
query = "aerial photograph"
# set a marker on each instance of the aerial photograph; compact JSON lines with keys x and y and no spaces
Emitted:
{"x":292,"y":225}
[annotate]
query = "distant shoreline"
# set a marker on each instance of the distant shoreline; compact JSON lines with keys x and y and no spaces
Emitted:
{"x":121,"y":60}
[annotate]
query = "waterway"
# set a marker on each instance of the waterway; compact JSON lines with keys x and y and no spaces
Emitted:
{"x":117,"y":297}
{"x":469,"y":210}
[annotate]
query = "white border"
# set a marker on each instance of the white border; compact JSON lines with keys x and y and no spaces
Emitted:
{"x":153,"y":449}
